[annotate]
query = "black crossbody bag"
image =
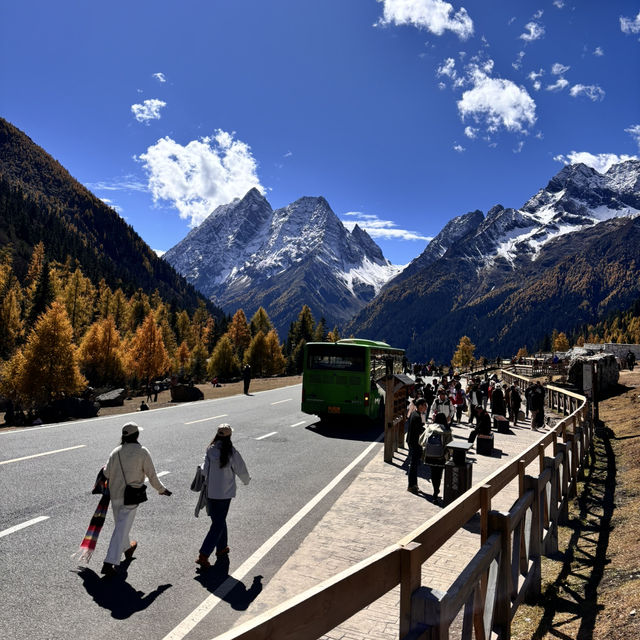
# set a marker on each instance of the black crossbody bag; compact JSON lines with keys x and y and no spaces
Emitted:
{"x":132,"y":495}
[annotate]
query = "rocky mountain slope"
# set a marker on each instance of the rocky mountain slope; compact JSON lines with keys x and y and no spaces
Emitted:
{"x":246,"y":255}
{"x":568,"y":256}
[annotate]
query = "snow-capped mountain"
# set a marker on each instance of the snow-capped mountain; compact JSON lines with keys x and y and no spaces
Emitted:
{"x":246,"y":255}
{"x":481,"y":275}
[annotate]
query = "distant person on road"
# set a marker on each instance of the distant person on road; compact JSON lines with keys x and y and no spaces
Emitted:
{"x":415,"y":430}
{"x":222,"y":463}
{"x":144,"y":406}
{"x":246,"y":376}
{"x":631,"y":360}
{"x":128,"y":464}
{"x":156,"y":389}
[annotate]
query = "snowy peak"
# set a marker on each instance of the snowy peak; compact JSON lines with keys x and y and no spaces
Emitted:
{"x":245,"y":251}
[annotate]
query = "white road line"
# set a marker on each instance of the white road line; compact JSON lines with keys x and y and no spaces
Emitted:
{"x":223,"y":415}
{"x":297,"y":424}
{"x":46,"y":453}
{"x":28,"y":523}
{"x":182,"y":405}
{"x":273,"y":433}
{"x":162,"y":473}
{"x":211,"y":601}
{"x":281,"y":401}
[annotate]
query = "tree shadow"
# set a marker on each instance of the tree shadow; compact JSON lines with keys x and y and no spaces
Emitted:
{"x":218,"y":582}
{"x":583,"y":563}
{"x":116,"y":594}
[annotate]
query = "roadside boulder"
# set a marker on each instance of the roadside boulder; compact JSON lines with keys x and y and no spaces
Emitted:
{"x":113,"y":398}
{"x":185,"y":393}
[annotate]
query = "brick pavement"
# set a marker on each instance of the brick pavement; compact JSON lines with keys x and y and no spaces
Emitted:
{"x":375,"y":511}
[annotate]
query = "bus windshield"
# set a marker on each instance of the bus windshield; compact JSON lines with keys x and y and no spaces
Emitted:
{"x":336,"y":358}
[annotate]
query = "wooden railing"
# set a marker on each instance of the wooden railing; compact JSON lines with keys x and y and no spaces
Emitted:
{"x":504,"y":571}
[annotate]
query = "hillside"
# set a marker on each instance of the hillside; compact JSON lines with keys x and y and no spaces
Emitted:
{"x":41,"y":201}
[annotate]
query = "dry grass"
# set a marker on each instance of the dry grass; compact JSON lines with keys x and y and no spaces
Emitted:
{"x":591,"y":588}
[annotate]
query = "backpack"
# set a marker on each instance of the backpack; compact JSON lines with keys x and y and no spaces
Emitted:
{"x":434,"y":447}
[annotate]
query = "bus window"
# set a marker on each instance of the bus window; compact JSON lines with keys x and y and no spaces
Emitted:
{"x":336,"y":358}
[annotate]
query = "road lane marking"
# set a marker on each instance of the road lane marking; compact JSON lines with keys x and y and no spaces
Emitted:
{"x":159,"y":475}
{"x":223,"y":415}
{"x":46,"y":453}
{"x":28,"y":523}
{"x":198,"y":614}
{"x":273,"y":433}
{"x":281,"y":401}
{"x":297,"y":424}
{"x":178,"y":407}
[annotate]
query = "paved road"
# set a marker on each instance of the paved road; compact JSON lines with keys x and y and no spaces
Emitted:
{"x":43,"y":595}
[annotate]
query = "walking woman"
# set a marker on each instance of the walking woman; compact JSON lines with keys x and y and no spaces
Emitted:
{"x":127,"y":465}
{"x":222,"y":463}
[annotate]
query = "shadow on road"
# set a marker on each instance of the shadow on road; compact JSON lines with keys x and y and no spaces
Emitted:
{"x":346,"y":429}
{"x":218,"y":582}
{"x":116,"y":594}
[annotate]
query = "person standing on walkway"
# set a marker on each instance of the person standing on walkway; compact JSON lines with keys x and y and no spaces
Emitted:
{"x":443,"y":405}
{"x":537,"y":406}
{"x":128,"y":464}
{"x":416,"y":429}
{"x":515,"y":402}
{"x":498,"y":407}
{"x":437,"y":438}
{"x":222,"y":463}
{"x":246,"y":376}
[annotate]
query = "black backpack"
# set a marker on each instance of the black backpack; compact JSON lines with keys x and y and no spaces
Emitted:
{"x":435,"y":446}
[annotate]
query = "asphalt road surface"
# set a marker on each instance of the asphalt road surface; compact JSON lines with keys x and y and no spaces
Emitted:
{"x":298,"y":467}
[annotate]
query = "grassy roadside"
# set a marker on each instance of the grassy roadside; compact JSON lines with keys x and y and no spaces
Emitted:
{"x":226,"y":390}
{"x":591,"y":587}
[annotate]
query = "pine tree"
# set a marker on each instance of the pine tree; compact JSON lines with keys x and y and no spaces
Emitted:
{"x":146,"y":354}
{"x":223,"y":363}
{"x":11,"y":323}
{"x":198,"y":362}
{"x":320,"y":334}
{"x":49,"y":360}
{"x":464,"y":353}
{"x":139,"y":309}
{"x":100,"y":353}
{"x":333,"y":336}
{"x":182,"y":358}
{"x":275,"y":361}
{"x":260,"y":322}
{"x":256,"y":355}
{"x":78,"y":295}
{"x":184,"y":330}
{"x":239,"y":333}
{"x":43,"y":294}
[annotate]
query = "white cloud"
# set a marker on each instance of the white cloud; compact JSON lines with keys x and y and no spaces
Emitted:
{"x":436,"y":16}
{"x":558,"y":85}
{"x":518,"y":63}
{"x":538,"y":14}
{"x":600,"y":162}
{"x":630,"y":25}
{"x":634,"y":132}
{"x":124,"y":183}
{"x":498,"y":103}
{"x":471,"y":132}
{"x":378,"y":228}
{"x":535,"y":76}
{"x":559,"y":4}
{"x":518,"y":148}
{"x":201,"y":175}
{"x":160,"y":77}
{"x":592,"y":91}
{"x":598,"y":51}
{"x":558,"y":69}
{"x":533,"y":31}
{"x":148,"y":110}
{"x":459,"y":148}
{"x":447,"y":68}
{"x":288,"y":154}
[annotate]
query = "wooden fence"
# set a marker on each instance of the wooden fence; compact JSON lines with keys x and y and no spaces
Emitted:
{"x":503,"y":573}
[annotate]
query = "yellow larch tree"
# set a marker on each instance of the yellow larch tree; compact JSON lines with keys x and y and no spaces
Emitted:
{"x":146,"y":356}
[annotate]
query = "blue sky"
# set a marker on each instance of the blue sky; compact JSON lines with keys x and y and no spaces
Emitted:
{"x":401,"y":113}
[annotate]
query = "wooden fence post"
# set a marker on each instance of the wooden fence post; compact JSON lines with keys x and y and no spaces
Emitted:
{"x":535,"y":539}
{"x":551,"y":544}
{"x":410,"y":580}
{"x":501,"y":523}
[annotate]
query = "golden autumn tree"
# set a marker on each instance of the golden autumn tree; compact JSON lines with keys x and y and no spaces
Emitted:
{"x":464,"y":353}
{"x":260,"y":321}
{"x":198,"y":362}
{"x":256,"y":355}
{"x":146,"y":356}
{"x":182,"y":357}
{"x":223,"y":362}
{"x":333,"y":336}
{"x":78,"y":295}
{"x":275,"y":360}
{"x":47,"y":368}
{"x":11,"y":323}
{"x":184,"y":330}
{"x":239,"y":333}
{"x":100,"y":353}
{"x":561,"y":343}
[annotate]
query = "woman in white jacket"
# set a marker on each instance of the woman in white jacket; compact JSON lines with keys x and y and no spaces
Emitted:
{"x":222,"y":463}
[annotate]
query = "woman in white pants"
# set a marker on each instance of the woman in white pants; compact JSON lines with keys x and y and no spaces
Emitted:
{"x":128,"y":464}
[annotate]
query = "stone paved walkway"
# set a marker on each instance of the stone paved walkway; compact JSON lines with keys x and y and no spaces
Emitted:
{"x":375,"y":511}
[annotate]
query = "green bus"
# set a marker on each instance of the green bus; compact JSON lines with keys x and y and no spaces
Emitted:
{"x":339,"y":378}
